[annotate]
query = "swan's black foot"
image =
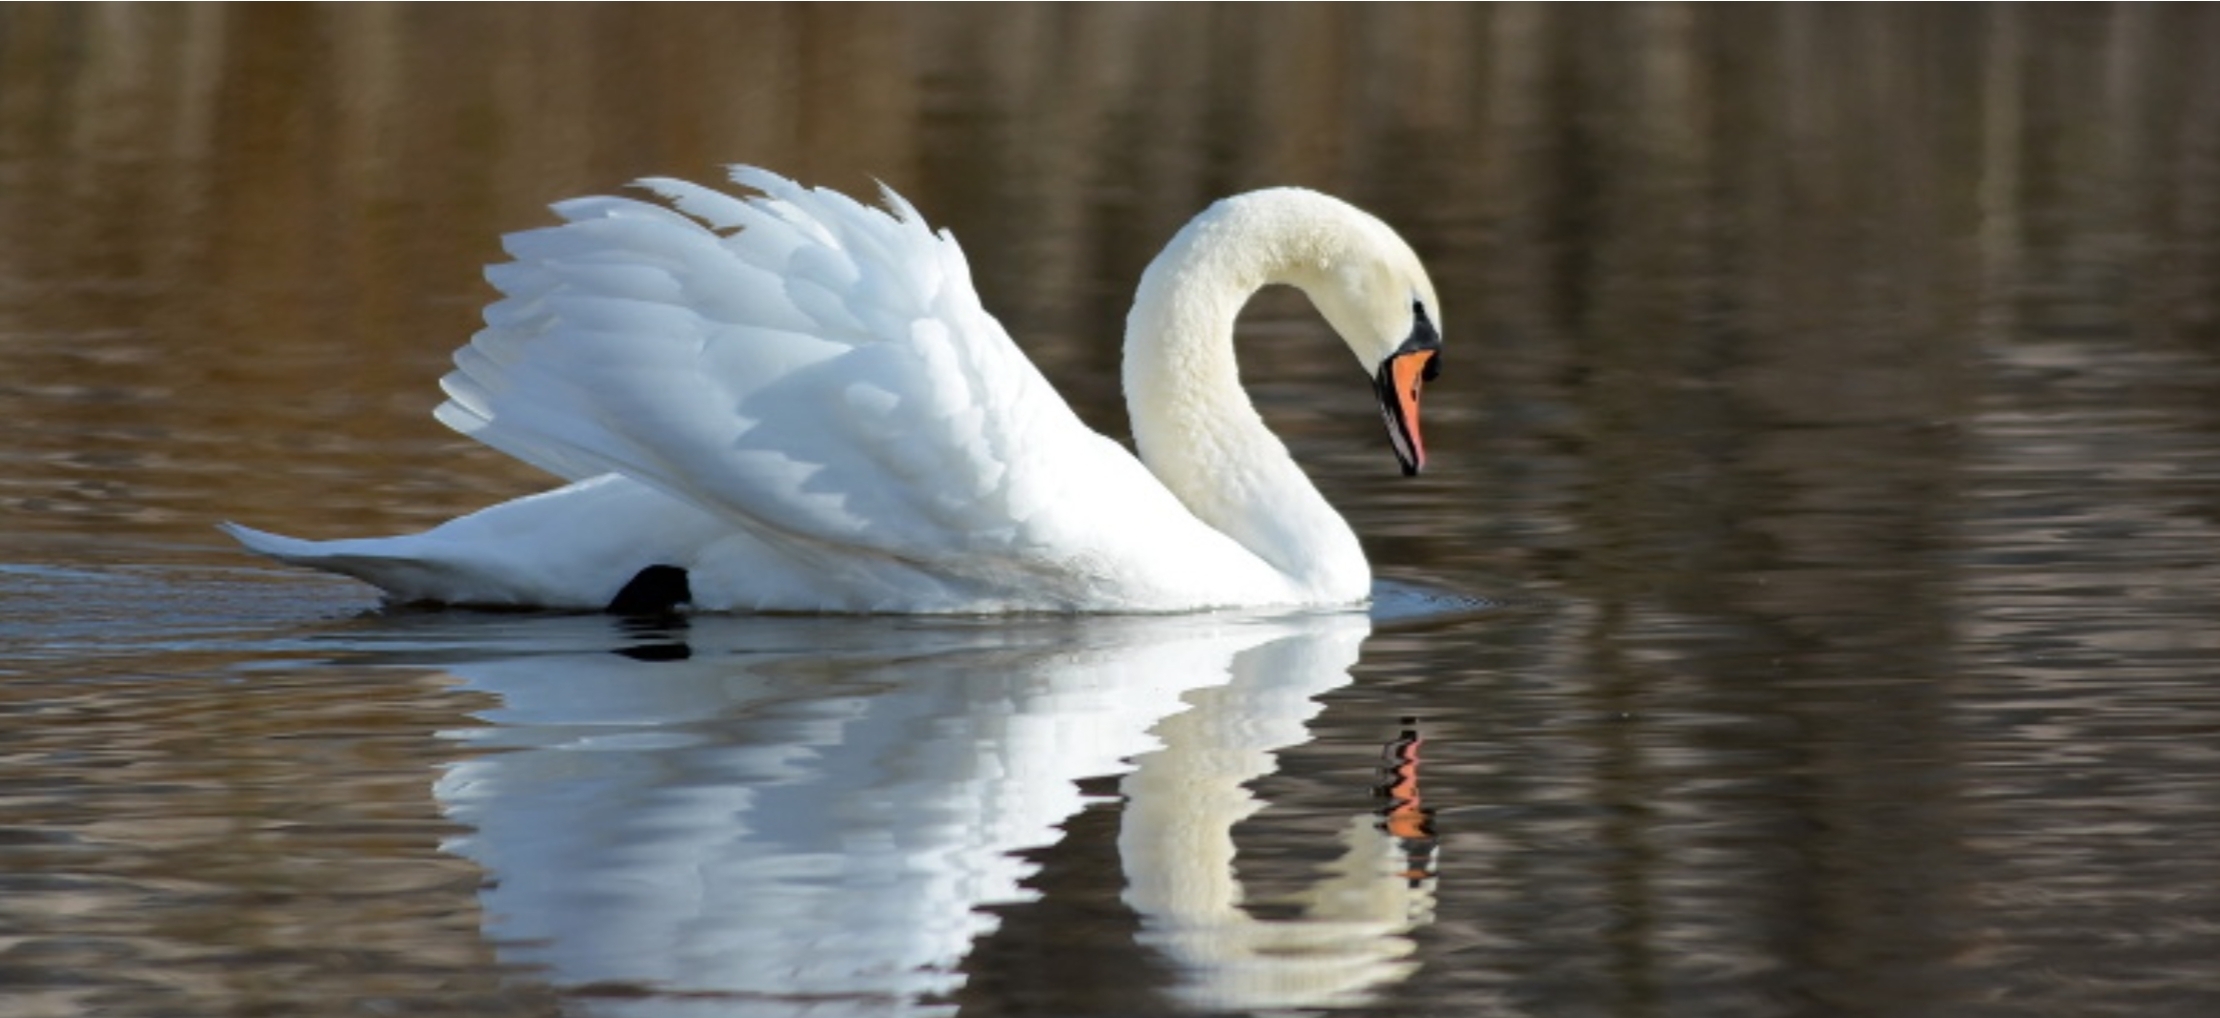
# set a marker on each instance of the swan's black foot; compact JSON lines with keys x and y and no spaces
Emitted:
{"x":656,"y":590}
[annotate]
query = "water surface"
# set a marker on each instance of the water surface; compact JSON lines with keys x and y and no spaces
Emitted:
{"x":1831,"y":426}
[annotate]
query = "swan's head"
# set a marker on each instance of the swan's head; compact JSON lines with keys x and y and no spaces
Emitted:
{"x":1359,"y":274}
{"x":1374,"y":292}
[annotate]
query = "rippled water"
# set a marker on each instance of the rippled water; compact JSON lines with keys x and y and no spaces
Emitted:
{"x":1810,"y":608}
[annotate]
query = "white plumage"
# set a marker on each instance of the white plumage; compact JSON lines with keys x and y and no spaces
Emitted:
{"x":799,"y":401}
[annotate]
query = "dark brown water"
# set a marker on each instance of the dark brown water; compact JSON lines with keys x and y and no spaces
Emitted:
{"x":1832,"y":408}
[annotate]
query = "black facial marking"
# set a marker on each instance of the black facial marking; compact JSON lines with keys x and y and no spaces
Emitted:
{"x":1424,"y":336}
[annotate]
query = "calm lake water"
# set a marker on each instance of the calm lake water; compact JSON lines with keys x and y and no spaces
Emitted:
{"x":1830,"y":423}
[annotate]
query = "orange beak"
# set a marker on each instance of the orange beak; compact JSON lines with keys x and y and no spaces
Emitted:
{"x":1400,"y":379}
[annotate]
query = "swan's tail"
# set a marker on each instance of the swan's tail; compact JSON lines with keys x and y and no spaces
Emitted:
{"x":395,"y":565}
{"x":277,"y":546}
{"x":576,"y":547}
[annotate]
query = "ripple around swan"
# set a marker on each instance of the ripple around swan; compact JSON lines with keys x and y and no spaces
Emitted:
{"x":1400,"y":602}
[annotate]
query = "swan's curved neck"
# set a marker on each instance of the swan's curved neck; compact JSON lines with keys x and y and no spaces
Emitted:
{"x":1194,"y":424}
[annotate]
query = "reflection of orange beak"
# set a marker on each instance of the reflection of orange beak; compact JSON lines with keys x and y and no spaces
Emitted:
{"x":1406,"y":817}
{"x":1401,"y":376}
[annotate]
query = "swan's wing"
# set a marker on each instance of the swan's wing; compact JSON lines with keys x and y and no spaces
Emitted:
{"x":816,"y":371}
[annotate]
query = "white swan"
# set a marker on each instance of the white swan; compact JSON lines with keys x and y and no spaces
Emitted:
{"x":793,"y":402}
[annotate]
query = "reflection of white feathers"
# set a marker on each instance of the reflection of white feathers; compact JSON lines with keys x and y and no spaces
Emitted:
{"x":1177,"y":844}
{"x":800,"y":401}
{"x":816,"y":830}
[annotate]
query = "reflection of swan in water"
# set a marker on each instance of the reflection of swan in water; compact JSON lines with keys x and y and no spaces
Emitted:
{"x":814,"y":824}
{"x":1177,"y":844}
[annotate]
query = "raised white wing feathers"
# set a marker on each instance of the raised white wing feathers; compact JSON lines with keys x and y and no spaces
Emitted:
{"x":820,"y":374}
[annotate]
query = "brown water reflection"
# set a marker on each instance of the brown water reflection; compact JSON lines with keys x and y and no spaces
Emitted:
{"x":1833,"y":393}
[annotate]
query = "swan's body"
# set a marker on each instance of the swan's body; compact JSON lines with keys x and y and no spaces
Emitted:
{"x":799,"y":401}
